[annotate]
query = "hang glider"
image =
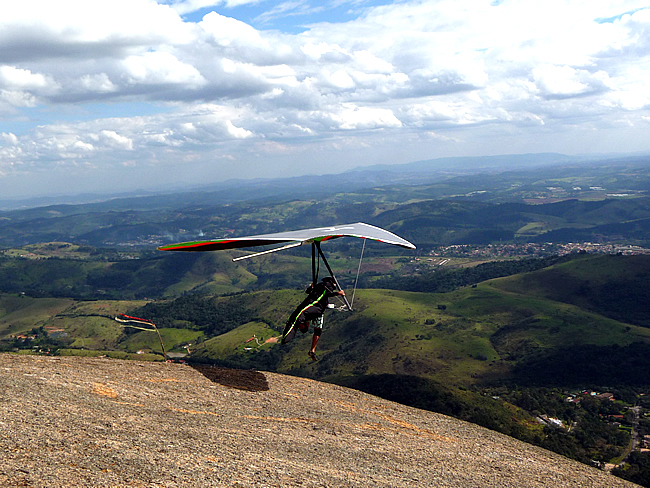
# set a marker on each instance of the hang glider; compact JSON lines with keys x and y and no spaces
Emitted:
{"x":297,"y":238}
{"x":293,"y":239}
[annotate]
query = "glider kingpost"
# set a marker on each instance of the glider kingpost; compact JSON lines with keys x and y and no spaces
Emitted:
{"x":293,"y":239}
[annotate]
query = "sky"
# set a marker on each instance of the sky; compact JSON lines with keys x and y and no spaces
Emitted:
{"x":117,"y":95}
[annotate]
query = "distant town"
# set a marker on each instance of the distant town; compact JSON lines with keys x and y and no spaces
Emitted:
{"x":532,"y":250}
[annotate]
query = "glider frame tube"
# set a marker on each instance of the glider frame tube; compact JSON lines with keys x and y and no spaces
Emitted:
{"x":315,"y":278}
{"x":288,"y":246}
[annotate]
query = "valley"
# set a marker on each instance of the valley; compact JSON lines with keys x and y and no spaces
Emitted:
{"x":506,"y":309}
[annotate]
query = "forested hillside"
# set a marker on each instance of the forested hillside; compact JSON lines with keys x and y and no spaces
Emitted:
{"x":612,"y":286}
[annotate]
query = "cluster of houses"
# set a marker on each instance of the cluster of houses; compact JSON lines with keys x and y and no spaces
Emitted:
{"x":530,"y":250}
{"x":550,"y":421}
{"x":576,"y":397}
{"x":644,"y":445}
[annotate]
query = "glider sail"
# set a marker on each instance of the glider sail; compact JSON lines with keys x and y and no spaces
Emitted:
{"x":298,"y":237}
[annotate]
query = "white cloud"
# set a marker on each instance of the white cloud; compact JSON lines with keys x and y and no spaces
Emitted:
{"x":434,"y":110}
{"x":351,"y":117}
{"x":113,"y":139}
{"x":106,"y":139}
{"x":40,"y":29}
{"x":370,"y":63}
{"x":226,"y":31}
{"x":325,"y":51}
{"x":9,"y":138}
{"x":237,"y":132}
{"x":564,"y":81}
{"x":12,"y":77}
{"x":22,"y":88}
{"x":339,"y":79}
{"x":161,"y":67}
{"x":98,"y":83}
{"x":15,"y":98}
{"x":188,"y":6}
{"x":224,"y":87}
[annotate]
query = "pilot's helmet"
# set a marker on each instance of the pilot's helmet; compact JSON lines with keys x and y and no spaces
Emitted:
{"x":329,"y":281}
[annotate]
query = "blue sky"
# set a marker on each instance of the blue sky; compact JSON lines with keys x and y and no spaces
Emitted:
{"x":105,"y":96}
{"x":290,"y":17}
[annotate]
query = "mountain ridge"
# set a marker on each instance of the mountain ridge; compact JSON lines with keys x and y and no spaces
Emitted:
{"x":380,"y":174}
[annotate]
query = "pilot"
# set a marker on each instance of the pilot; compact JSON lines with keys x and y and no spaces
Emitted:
{"x":311,"y":310}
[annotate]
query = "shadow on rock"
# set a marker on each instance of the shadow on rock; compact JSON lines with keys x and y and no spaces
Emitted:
{"x":241,"y":379}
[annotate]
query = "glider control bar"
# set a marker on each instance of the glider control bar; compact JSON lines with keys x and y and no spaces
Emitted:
{"x":345,"y":299}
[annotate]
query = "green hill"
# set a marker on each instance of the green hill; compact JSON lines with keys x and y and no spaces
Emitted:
{"x":614,"y":286}
{"x":89,"y":274}
{"x":472,"y":336}
{"x":498,"y":330}
{"x":19,"y":313}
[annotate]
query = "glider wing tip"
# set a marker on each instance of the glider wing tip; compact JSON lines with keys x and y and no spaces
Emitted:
{"x":168,"y":248}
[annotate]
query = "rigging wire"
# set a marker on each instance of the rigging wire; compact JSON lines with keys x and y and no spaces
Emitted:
{"x":354,"y":290}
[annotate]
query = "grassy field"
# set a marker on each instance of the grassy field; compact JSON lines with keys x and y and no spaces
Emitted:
{"x":19,"y":313}
{"x":87,"y":324}
{"x":248,"y":338}
{"x":173,"y":339}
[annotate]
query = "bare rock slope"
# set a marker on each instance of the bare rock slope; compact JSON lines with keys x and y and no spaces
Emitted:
{"x":100,"y":422}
